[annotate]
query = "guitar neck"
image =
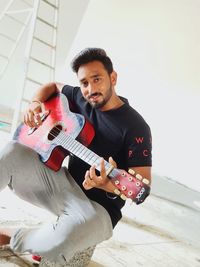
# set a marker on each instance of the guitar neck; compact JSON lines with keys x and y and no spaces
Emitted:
{"x":82,"y":152}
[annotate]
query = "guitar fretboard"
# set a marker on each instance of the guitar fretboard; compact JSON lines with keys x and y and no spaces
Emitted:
{"x":79,"y":150}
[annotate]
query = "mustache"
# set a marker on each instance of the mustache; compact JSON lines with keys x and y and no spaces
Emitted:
{"x":94,"y":94}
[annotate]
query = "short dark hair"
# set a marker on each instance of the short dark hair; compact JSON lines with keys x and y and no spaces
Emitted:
{"x":92,"y":54}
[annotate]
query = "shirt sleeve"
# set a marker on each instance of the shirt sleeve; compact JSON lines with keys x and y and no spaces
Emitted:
{"x":68,"y":91}
{"x":139,"y":147}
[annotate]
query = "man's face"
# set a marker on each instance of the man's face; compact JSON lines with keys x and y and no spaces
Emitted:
{"x":96,"y":84}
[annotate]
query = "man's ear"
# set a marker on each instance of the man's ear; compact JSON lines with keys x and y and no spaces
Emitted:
{"x":113,"y":78}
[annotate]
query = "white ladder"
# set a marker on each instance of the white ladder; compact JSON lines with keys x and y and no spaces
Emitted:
{"x":40,"y":54}
{"x":13,"y":19}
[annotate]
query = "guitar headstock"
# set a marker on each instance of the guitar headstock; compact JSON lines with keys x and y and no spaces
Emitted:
{"x":130,"y":185}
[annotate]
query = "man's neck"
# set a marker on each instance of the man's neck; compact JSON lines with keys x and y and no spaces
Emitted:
{"x":115,"y":103}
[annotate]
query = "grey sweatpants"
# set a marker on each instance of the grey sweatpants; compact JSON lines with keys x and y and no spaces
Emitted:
{"x":80,"y":223}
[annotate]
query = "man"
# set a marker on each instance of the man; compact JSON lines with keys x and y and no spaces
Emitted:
{"x":86,"y":205}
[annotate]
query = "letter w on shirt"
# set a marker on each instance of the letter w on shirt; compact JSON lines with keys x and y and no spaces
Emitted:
{"x":139,"y":140}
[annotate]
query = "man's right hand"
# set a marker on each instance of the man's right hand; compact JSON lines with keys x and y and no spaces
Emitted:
{"x":32,"y":116}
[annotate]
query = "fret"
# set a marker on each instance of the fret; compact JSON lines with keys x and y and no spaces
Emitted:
{"x":90,"y":157}
{"x":65,"y":139}
{"x":107,"y":165}
{"x":78,"y":150}
{"x":65,"y":143}
{"x":94,"y":161}
{"x":83,"y":153}
{"x":98,"y":161}
{"x":73,"y":146}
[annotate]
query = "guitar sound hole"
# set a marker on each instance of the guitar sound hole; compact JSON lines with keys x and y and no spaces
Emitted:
{"x":54,"y":132}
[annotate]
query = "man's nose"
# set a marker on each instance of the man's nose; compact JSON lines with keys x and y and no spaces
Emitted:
{"x":91,"y":88}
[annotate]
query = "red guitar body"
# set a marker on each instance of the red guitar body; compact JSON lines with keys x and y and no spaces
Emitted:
{"x":73,"y":124}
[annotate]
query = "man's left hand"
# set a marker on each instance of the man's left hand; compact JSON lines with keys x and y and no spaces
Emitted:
{"x":101,"y":181}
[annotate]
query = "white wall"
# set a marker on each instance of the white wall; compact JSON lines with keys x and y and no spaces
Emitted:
{"x":155,"y":49}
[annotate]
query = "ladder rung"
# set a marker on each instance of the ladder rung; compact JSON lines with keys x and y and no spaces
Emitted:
{"x":20,"y":22}
{"x":5,"y":122}
{"x":7,"y":130}
{"x":46,"y":22}
{"x":5,"y":126}
{"x":40,"y":40}
{"x":47,"y":2}
{"x":41,"y":62}
{"x":7,"y":37}
{"x":33,"y":81}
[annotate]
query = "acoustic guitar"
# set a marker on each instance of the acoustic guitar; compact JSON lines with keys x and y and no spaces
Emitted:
{"x":63,"y":132}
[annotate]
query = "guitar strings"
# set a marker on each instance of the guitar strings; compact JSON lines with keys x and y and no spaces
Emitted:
{"x":90,"y":156}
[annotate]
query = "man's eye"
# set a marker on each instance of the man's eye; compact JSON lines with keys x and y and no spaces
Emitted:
{"x":85,"y":84}
{"x":97,"y":79}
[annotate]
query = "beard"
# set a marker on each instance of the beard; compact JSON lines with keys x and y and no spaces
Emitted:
{"x":103,"y":102}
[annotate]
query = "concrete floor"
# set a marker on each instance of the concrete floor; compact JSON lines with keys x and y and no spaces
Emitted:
{"x":162,"y":232}
{"x":156,"y":233}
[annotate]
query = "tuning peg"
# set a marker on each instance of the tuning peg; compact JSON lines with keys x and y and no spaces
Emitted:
{"x":123,"y":197}
{"x":137,"y":183}
{"x":131,"y":171}
{"x":130,"y":178}
{"x":123,"y":188}
{"x":130,"y":193}
{"x":116,"y":191}
{"x":145,"y":181}
{"x":138,"y":176}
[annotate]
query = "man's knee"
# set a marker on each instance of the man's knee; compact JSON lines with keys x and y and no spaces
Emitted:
{"x":14,"y":157}
{"x":11,"y":147}
{"x":16,"y":150}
